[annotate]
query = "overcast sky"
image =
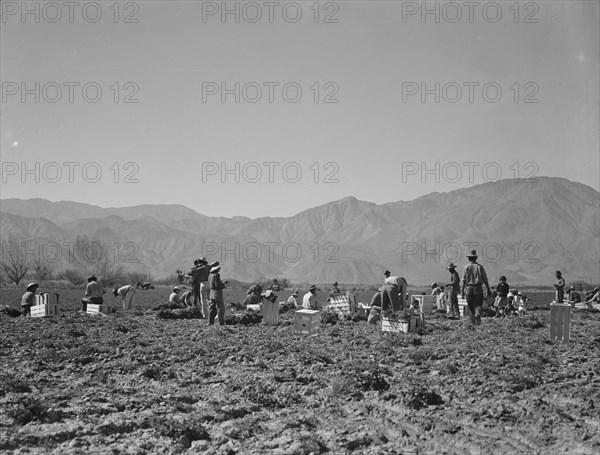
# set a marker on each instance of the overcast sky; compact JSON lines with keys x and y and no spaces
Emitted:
{"x":373,"y":58}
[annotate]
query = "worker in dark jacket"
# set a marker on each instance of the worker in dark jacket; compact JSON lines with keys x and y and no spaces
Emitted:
{"x":474,"y":278}
{"x":217,"y":304}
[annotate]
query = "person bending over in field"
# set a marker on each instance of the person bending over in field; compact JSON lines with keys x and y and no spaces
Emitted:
{"x":93,"y":293}
{"x":127,"y":293}
{"x":28,"y":299}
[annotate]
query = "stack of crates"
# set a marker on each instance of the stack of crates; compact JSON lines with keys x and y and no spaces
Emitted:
{"x":46,"y":304}
{"x":560,"y":321}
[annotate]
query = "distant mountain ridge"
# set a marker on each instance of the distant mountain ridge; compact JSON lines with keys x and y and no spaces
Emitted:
{"x":525,"y":231}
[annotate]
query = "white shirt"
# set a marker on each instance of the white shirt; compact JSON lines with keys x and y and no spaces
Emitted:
{"x":309,"y":301}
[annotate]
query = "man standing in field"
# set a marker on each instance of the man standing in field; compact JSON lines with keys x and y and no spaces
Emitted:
{"x":560,"y":287}
{"x":309,"y":301}
{"x":474,"y":278}
{"x":217,"y":304}
{"x":454,"y":285}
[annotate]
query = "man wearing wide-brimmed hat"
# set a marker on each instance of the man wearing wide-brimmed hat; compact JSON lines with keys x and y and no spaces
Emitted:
{"x":454,"y":289}
{"x":217,"y":304}
{"x":309,"y":301}
{"x":200,"y":288}
{"x":28,"y":299}
{"x":560,"y":287}
{"x":474,"y":278}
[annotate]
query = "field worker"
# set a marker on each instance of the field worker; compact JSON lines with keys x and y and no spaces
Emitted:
{"x":474,"y":278}
{"x":28,"y":299}
{"x":274,"y":286}
{"x":199,"y":274}
{"x":251,"y":298}
{"x":521,"y":304}
{"x":175,"y":296}
{"x":501,"y":299}
{"x":309,"y":301}
{"x":560,"y":287}
{"x":401,"y":286}
{"x":127,"y":293}
{"x":93,"y":293}
{"x":574,"y":296}
{"x":454,"y":285}
{"x":435,"y":290}
{"x":335,"y":291}
{"x":593,"y":299}
{"x":375,"y":312}
{"x":217,"y":304}
{"x":293,"y":299}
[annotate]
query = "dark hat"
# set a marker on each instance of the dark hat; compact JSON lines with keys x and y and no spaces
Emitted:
{"x":32,"y":284}
{"x":202,"y":260}
{"x":295,"y":294}
{"x":115,"y":292}
{"x":335,"y":284}
{"x":387,"y":272}
{"x":215,"y":264}
{"x":176,"y":289}
{"x":558,"y":272}
{"x":473,"y":254}
{"x":434,"y":285}
{"x":451,"y":266}
{"x":215,"y":267}
{"x":312,"y":287}
{"x":502,"y":278}
{"x":92,"y":278}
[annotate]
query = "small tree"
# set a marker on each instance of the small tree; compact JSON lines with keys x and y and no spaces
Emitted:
{"x":42,"y":270}
{"x":74,"y":276}
{"x":15,"y":265}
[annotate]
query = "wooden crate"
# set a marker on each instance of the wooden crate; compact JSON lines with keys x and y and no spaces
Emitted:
{"x":46,"y":298}
{"x":426,"y":302}
{"x":93,"y":308}
{"x":364,"y":309}
{"x":270,"y":312}
{"x":307,"y":322}
{"x":400,"y":326}
{"x":560,"y":322}
{"x":42,"y":311}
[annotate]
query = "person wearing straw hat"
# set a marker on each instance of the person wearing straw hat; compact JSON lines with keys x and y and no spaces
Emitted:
{"x":93,"y":293}
{"x":217,"y":304}
{"x":28,"y":299}
{"x":454,"y":289}
{"x":309,"y":301}
{"x":293,"y":299}
{"x":474,"y":278}
{"x":560,"y":287}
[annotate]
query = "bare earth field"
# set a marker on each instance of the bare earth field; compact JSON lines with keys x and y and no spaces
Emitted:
{"x":132,"y":383}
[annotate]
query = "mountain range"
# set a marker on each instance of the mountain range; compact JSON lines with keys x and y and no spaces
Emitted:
{"x":522,"y":230}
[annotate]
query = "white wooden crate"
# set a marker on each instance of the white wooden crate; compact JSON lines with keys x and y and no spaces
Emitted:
{"x":400,"y":326}
{"x":46,"y":298}
{"x":42,"y":311}
{"x":307,"y":322}
{"x":94,"y":308}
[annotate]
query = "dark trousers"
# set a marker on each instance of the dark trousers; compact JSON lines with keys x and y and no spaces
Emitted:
{"x":196,"y":293}
{"x":454,"y":303}
{"x":474,"y":303}
{"x":560,"y":295}
{"x":26,"y":310}
{"x":217,"y":307}
{"x":94,"y":300}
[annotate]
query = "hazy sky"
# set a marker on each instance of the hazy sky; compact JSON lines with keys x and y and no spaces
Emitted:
{"x":372,"y":143}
